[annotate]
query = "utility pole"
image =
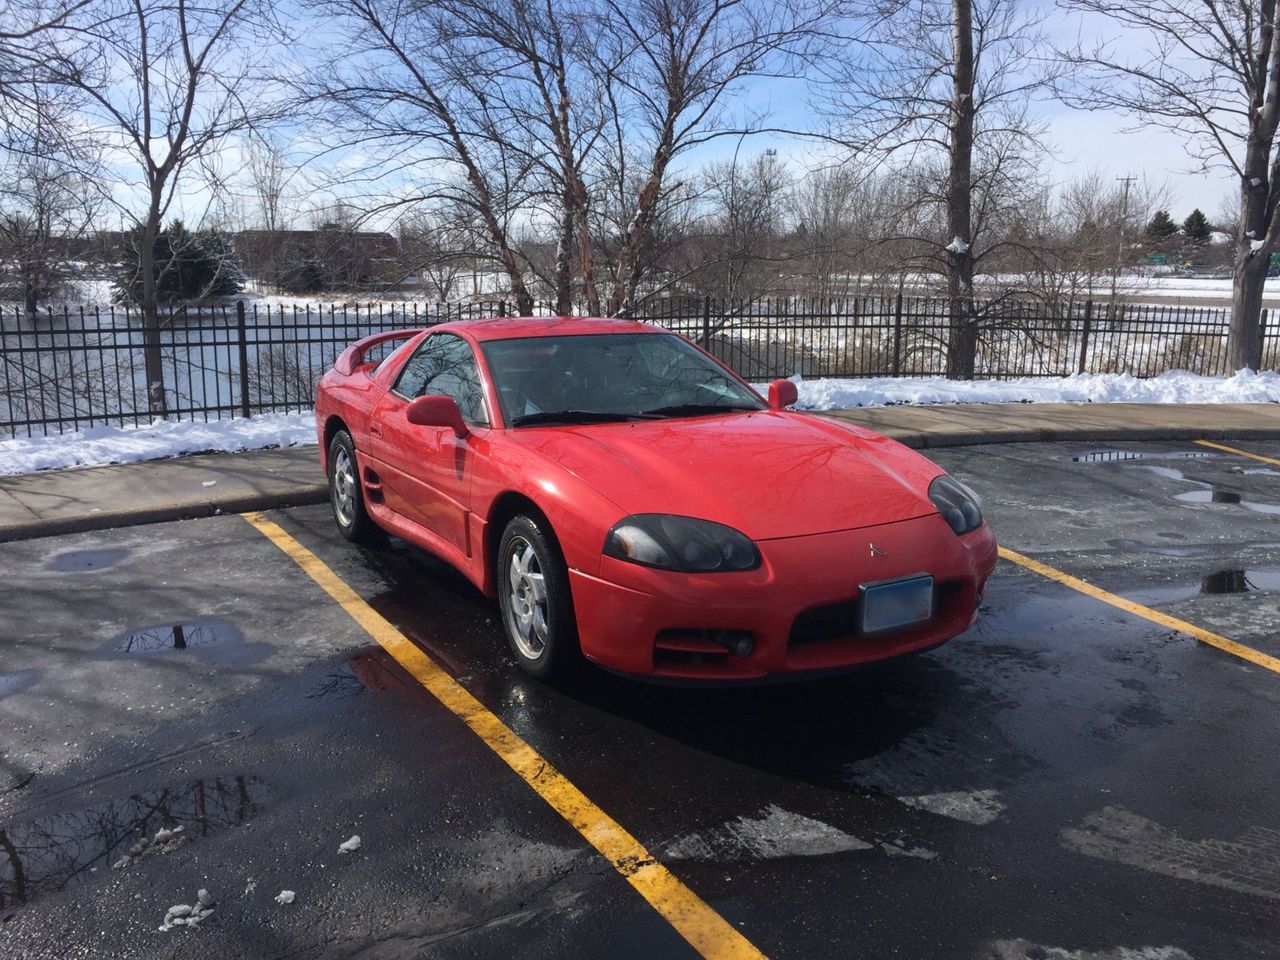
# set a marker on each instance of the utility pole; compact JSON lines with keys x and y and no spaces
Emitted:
{"x":1124,"y":216}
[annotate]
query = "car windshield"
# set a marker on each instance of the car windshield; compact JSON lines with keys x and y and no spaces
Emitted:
{"x":594,"y":378}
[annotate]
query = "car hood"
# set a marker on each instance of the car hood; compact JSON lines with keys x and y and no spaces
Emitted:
{"x":768,"y":474}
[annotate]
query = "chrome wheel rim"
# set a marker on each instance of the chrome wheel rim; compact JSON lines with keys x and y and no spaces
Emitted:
{"x":526,"y":599}
{"x":343,"y":488}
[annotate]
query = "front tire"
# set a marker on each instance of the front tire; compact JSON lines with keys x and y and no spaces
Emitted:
{"x":534,"y":598}
{"x":345,"y":494}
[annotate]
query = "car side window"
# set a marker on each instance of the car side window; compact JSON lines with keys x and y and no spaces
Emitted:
{"x":444,"y":364}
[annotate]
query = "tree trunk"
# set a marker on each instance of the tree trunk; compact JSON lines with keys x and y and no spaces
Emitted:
{"x":586,"y":260}
{"x":962,"y":339}
{"x":152,"y":360}
{"x":1244,"y":338}
{"x":564,"y":272}
{"x":31,"y":296}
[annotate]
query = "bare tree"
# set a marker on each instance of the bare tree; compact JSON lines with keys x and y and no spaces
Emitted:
{"x":673,"y":67}
{"x":1075,"y":240}
{"x":414,"y":92}
{"x":269,"y":173}
{"x":47,"y":200}
{"x":1209,"y":71}
{"x":171,"y":82}
{"x":743,"y":226}
{"x":26,"y":29}
{"x":269,"y":176}
{"x":942,"y":88}
{"x":572,"y":126}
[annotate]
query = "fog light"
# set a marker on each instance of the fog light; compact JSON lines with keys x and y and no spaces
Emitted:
{"x":737,"y":642}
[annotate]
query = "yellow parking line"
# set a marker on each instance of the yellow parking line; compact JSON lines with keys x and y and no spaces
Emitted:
{"x":706,"y":931}
{"x":1155,"y":616}
{"x":1239,"y":453}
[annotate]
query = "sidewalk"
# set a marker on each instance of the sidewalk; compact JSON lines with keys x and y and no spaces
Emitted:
{"x":93,"y":498}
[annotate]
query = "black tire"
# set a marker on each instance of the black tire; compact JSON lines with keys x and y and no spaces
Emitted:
{"x":527,"y":550}
{"x":346,"y":496}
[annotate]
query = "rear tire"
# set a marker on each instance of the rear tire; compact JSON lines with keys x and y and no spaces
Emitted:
{"x":345,"y":493}
{"x":534,"y":597}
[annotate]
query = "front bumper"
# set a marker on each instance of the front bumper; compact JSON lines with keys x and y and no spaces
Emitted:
{"x":799,"y":608}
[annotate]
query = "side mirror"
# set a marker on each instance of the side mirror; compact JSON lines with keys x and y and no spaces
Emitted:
{"x":782,"y":394}
{"x":436,"y":411}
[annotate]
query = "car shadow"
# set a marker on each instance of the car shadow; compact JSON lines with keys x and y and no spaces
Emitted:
{"x":918,"y":709}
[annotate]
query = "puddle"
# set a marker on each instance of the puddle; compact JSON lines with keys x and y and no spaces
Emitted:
{"x":1169,"y":473}
{"x":1241,"y":581}
{"x":85,"y":561}
{"x":370,"y":669}
{"x":1225,"y":581}
{"x":1116,"y":456}
{"x":176,"y":636}
{"x":1163,"y":550}
{"x":1218,"y":495}
{"x":11,"y":683}
{"x":56,"y":851}
{"x":1233,"y":580}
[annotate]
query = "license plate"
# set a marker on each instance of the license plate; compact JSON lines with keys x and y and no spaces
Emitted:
{"x":896,"y":603}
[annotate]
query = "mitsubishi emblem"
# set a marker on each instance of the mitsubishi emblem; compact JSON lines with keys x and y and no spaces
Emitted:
{"x":876,"y":551}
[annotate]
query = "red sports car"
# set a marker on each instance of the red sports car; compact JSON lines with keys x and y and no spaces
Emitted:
{"x":628,"y":498}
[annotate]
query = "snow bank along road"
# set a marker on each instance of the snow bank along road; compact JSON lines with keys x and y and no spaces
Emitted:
{"x":101,"y":445}
{"x":198,"y":720}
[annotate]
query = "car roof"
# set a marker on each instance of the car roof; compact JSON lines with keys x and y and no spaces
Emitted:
{"x":509,"y":328}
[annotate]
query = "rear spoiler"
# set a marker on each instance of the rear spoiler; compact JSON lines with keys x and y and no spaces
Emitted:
{"x":350,"y":360}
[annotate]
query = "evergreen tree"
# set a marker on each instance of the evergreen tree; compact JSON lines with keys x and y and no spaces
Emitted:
{"x":189,"y":266}
{"x":1196,"y":227}
{"x":1161,"y":227}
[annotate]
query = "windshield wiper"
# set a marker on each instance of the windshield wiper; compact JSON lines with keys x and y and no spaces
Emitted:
{"x":577,"y":416}
{"x":693,"y":409}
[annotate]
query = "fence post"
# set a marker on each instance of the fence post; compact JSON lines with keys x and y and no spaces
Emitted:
{"x":1084,"y":334}
{"x":706,"y":321}
{"x":242,"y":348}
{"x":897,"y":335}
{"x":1262,"y":340}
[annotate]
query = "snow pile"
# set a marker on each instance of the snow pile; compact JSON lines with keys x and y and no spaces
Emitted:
{"x":1175,"y":386}
{"x":188,"y":915}
{"x":285,"y":897}
{"x":165,"y":841}
{"x":350,"y":846}
{"x":163,"y":438}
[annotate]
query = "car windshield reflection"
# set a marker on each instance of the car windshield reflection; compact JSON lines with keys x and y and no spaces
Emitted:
{"x":605,"y":378}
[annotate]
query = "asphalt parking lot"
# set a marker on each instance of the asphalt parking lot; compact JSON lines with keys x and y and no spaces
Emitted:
{"x":1068,"y":776}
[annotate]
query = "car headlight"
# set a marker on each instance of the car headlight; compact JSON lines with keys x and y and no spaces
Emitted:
{"x":680,"y":543}
{"x":959,"y":506}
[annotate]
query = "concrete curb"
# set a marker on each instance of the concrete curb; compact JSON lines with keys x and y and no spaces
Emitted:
{"x":924,"y":441}
{"x":303,"y":496}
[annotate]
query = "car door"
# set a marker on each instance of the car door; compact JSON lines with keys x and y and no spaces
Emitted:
{"x":426,"y":471}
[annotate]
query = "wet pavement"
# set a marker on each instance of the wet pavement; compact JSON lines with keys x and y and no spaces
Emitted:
{"x":181,"y":708}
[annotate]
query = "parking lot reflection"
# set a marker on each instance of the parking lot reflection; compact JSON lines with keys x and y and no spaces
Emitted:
{"x":51,"y":852}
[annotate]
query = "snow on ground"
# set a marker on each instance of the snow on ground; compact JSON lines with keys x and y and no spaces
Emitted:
{"x":169,"y":438}
{"x":163,"y":438}
{"x":1175,"y":386}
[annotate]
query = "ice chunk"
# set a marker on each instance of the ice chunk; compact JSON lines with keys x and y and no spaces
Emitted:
{"x":284,"y":896}
{"x":350,"y":846}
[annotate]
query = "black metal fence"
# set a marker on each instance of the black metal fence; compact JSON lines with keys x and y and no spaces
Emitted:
{"x":76,"y":368}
